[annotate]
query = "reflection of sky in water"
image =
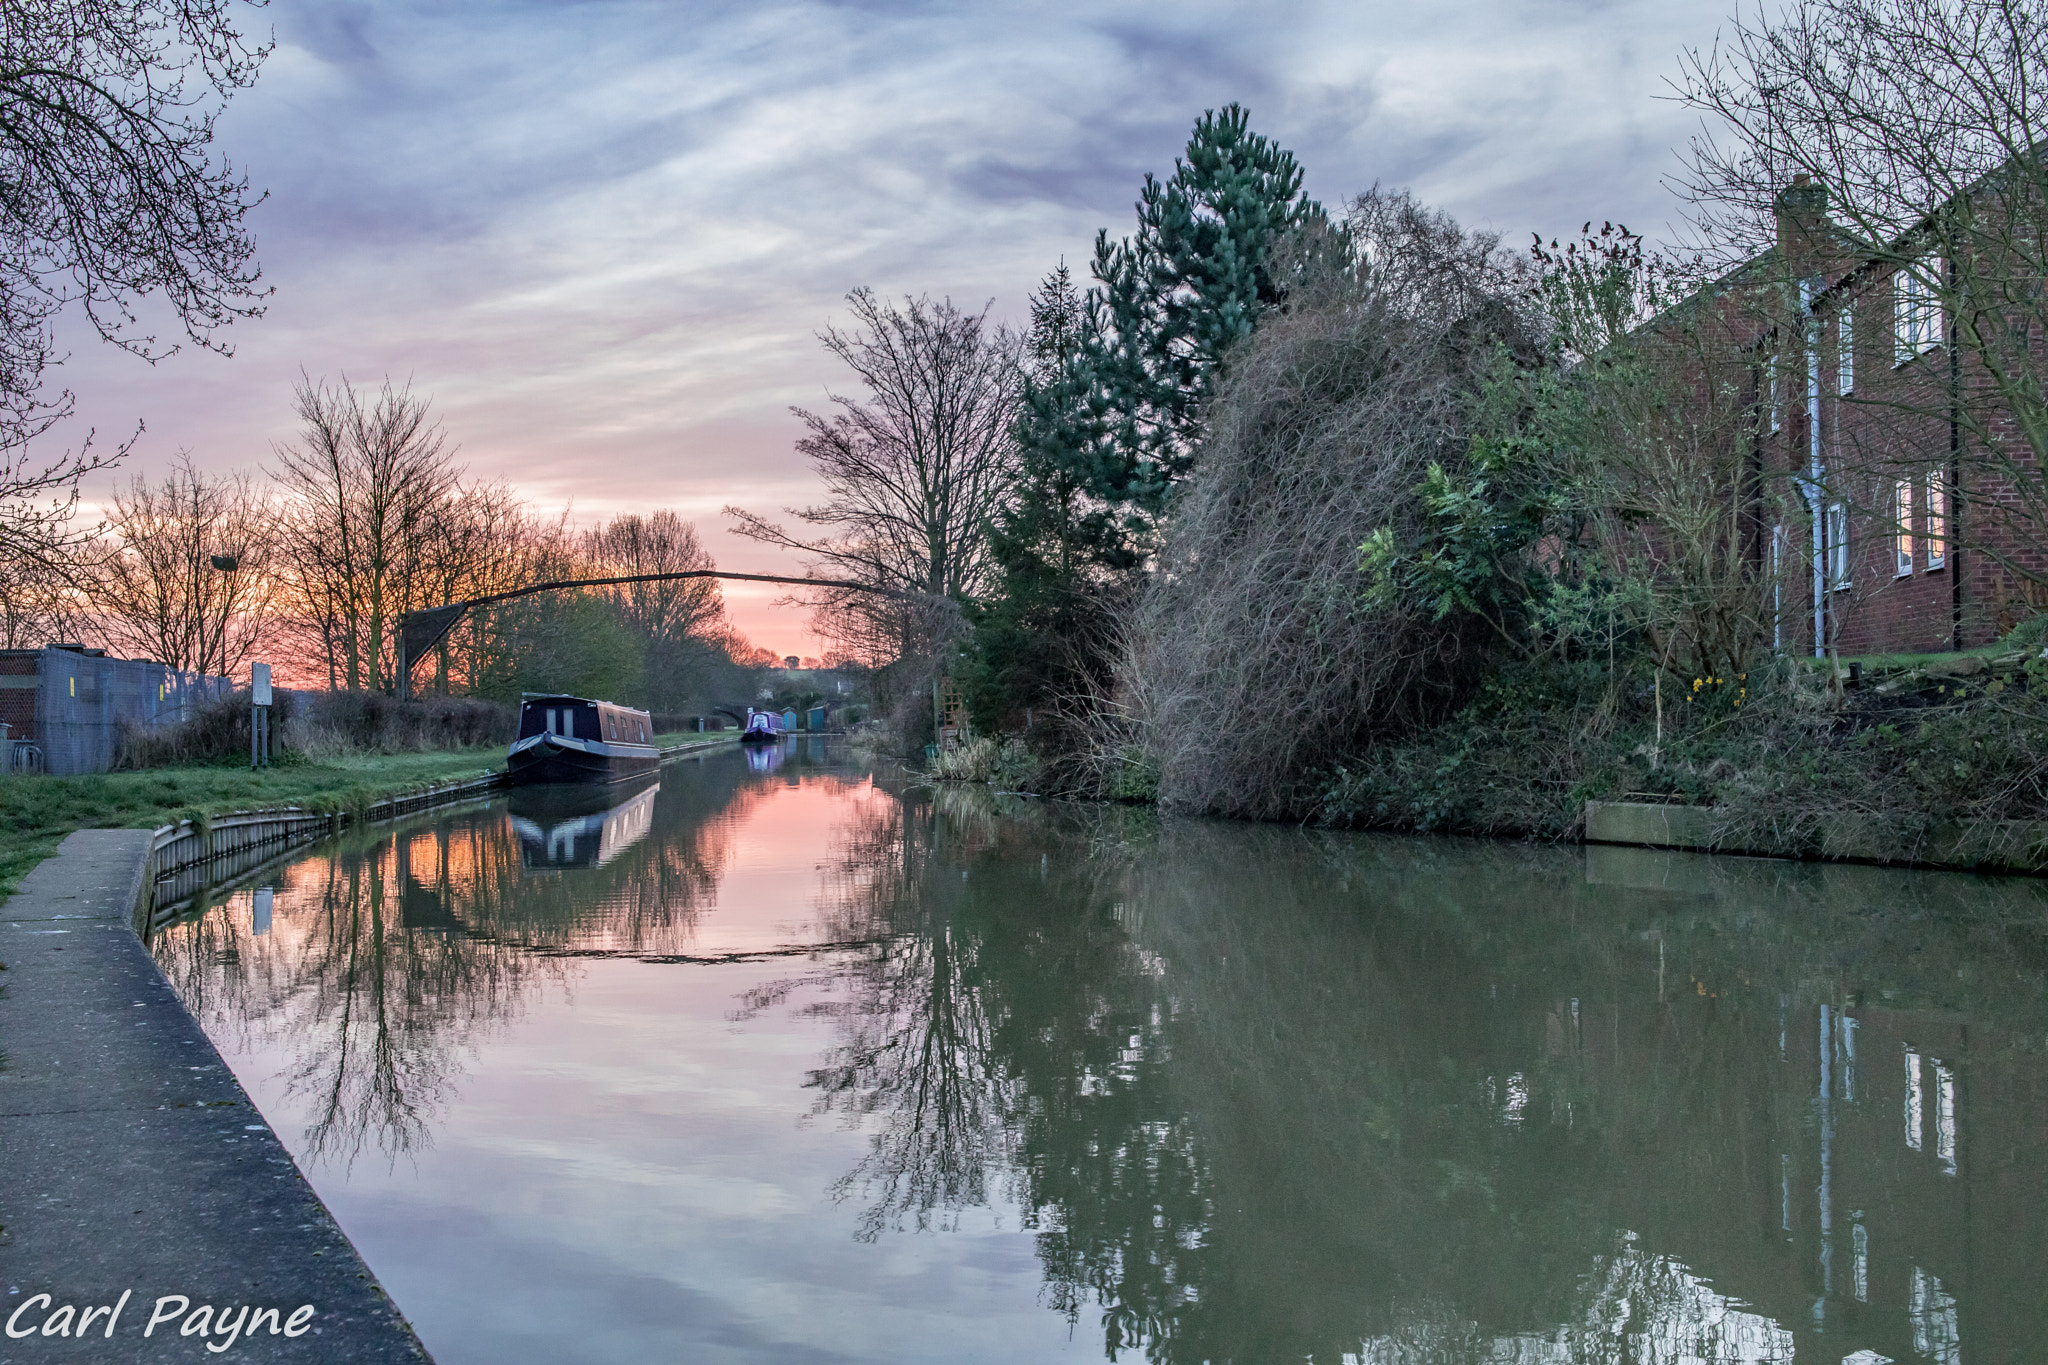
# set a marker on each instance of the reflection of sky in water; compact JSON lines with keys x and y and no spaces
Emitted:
{"x":620,"y":1173}
{"x":776,"y":1082}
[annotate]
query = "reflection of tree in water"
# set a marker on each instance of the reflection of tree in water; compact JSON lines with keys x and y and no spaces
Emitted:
{"x":1002,"y":1039}
{"x":367,"y":977}
{"x":913,"y":1063}
{"x":1266,"y":1095}
{"x":393,"y":951}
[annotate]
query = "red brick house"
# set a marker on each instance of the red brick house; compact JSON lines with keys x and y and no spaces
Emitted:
{"x":1877,"y":526}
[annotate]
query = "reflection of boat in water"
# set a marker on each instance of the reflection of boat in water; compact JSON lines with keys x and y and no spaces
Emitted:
{"x":765,"y":758}
{"x":574,"y":739}
{"x":763,"y":727}
{"x":578,"y":826}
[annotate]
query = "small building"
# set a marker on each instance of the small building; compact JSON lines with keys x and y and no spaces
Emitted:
{"x":64,"y":705}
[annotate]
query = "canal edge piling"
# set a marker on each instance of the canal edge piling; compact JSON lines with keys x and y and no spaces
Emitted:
{"x":2021,"y":846}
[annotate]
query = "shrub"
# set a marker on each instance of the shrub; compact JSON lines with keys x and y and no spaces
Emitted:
{"x":1255,"y":658}
{"x":318,"y":725}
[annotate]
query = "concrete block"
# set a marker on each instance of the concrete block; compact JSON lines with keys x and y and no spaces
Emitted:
{"x":1657,"y":826}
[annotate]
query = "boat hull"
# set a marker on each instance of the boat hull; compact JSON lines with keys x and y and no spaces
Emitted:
{"x":759,"y":737}
{"x":547,"y":759}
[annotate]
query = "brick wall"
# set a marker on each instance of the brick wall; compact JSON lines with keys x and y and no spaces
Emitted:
{"x":1894,"y":426}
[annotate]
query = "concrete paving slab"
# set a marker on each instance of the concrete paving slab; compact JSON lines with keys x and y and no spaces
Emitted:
{"x":131,"y":1160}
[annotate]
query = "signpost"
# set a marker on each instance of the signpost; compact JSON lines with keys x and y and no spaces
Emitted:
{"x":259,"y":716}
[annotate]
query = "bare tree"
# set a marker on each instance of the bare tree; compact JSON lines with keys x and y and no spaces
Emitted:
{"x":365,"y":485}
{"x":913,"y":473}
{"x":106,"y":124}
{"x":187,"y":580}
{"x":37,"y":604}
{"x":680,"y":623}
{"x":1921,"y":126}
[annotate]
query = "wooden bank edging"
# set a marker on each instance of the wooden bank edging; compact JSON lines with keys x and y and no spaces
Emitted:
{"x":2013,"y":845}
{"x":187,"y":857}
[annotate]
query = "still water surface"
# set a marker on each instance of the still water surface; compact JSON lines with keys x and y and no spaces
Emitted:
{"x":785,"y":1061}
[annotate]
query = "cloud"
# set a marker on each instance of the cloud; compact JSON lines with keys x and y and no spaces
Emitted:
{"x":603,"y":235}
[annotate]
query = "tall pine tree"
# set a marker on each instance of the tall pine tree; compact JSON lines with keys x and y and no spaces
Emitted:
{"x":1172,"y":300}
{"x":1111,"y":409}
{"x":1039,"y":637}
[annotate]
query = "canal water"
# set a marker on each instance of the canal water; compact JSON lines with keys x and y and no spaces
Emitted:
{"x":785,"y":1060}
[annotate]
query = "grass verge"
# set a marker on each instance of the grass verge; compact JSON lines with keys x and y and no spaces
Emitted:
{"x":37,"y":812}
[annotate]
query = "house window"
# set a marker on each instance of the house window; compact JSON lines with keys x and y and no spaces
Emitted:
{"x":1902,"y":518}
{"x":1916,"y":310}
{"x":1771,"y":395}
{"x":1838,"y":546}
{"x":1937,"y":520}
{"x":1845,"y":351}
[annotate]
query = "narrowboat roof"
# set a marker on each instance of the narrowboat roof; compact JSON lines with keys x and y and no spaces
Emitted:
{"x":529,"y":698}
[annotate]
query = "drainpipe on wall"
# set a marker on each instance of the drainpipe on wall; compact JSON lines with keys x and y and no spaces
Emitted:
{"x":1814,"y":468}
{"x":1952,"y":496}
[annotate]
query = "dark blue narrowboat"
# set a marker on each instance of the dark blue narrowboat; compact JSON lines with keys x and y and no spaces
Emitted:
{"x":763,"y":727}
{"x":575,"y":739}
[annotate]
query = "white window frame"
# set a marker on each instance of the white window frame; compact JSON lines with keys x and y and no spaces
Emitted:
{"x":1838,"y":546}
{"x":1902,"y":528}
{"x":1776,"y":405}
{"x":1845,"y":351}
{"x":1937,"y":519}
{"x":1917,"y":322}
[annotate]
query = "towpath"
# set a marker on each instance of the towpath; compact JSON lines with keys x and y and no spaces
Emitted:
{"x":131,"y":1160}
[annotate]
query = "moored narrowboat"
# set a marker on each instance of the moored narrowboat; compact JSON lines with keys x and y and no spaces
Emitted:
{"x":763,"y":727}
{"x":575,"y":739}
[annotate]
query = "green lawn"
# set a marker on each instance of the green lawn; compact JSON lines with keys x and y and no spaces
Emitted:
{"x":37,"y":812}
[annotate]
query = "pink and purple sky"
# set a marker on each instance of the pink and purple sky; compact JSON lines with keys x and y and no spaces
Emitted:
{"x":602,"y":236}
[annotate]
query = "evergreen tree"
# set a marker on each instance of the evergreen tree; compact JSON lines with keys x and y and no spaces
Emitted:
{"x":1051,"y":543}
{"x":1172,"y":300}
{"x":1112,"y":403}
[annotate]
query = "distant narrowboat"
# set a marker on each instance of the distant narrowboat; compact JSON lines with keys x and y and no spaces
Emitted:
{"x":763,"y":727}
{"x":574,"y":739}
